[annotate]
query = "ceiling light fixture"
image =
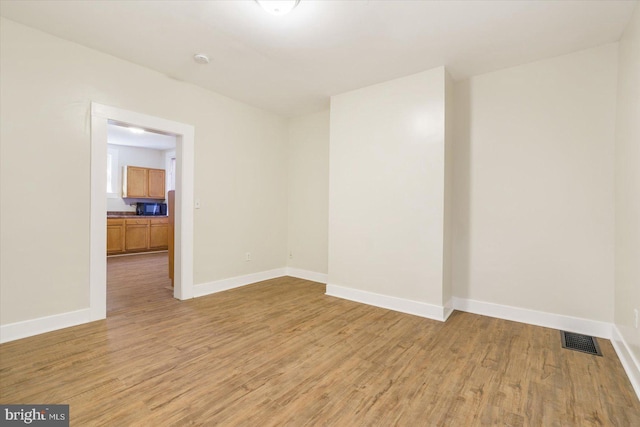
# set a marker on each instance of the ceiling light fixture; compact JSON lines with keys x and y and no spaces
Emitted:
{"x":201,"y":58}
{"x":278,"y":7}
{"x":137,"y":131}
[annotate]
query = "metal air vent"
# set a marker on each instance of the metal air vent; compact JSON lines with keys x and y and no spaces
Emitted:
{"x":579,"y":342}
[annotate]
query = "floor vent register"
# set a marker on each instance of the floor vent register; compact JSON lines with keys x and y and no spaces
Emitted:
{"x":579,"y":342}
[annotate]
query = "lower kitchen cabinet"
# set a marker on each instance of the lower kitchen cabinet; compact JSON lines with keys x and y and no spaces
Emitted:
{"x":115,"y":236}
{"x":137,"y":235}
{"x":158,"y":233}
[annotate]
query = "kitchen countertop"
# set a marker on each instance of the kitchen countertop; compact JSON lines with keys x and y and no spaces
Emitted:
{"x":132,"y":216}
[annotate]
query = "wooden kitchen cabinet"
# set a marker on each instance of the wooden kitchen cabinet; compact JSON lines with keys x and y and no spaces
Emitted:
{"x":143,"y":183}
{"x":159,"y":233}
{"x":136,"y":235}
{"x":115,"y":236}
{"x":156,"y":183}
{"x":135,"y":182}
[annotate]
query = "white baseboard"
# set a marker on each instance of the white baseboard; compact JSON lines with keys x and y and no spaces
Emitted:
{"x":306,"y":274}
{"x":28,"y":328}
{"x":447,"y":309}
{"x":533,"y":317}
{"x":417,"y":308}
{"x":628,"y":360}
{"x":203,"y":289}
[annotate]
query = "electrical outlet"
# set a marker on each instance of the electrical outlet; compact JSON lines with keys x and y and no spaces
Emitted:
{"x":636,"y":317}
{"x":247,"y":256}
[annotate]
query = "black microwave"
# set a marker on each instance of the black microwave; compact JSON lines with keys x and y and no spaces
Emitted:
{"x":151,"y":208}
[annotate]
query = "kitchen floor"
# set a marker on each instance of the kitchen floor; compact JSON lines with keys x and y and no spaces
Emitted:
{"x":137,"y":280}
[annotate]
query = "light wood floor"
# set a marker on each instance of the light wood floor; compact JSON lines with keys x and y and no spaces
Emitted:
{"x":280,"y":352}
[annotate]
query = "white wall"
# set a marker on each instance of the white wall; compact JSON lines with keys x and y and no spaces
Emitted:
{"x":386,"y":189}
{"x":533,"y":185}
{"x":47,"y":85}
{"x":627,"y":200}
{"x":308,"y":192}
{"x":132,"y":156}
{"x":137,"y":156}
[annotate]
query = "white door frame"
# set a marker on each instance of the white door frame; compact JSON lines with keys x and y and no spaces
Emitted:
{"x":183,"y":268}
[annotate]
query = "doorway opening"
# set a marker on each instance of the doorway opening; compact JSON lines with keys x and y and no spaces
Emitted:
{"x":140,"y":252}
{"x":101,"y":116}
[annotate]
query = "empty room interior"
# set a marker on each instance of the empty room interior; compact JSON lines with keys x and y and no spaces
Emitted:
{"x":340,"y":213}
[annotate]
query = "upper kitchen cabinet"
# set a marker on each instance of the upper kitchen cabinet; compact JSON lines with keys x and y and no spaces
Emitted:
{"x":156,"y":183}
{"x":135,"y":182}
{"x":143,"y":183}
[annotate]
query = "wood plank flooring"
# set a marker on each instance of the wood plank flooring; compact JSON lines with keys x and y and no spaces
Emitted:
{"x":281,"y":353}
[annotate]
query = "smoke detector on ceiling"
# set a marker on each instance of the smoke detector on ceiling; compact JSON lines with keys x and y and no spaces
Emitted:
{"x":201,"y":58}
